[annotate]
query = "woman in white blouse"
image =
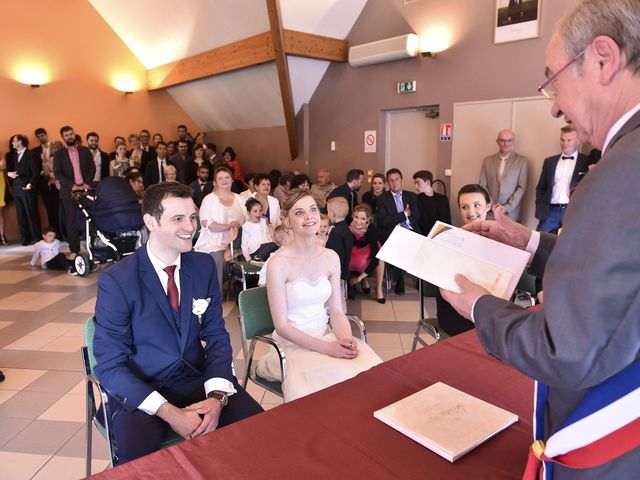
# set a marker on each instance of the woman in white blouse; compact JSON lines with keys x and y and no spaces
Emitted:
{"x":221,"y":215}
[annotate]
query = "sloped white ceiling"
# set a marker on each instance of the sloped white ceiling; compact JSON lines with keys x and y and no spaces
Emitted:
{"x":162,"y":31}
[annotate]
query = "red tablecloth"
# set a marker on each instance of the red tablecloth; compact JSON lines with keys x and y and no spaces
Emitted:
{"x":333,"y":434}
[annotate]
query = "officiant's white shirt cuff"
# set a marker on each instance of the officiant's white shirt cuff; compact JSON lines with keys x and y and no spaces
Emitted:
{"x":152,"y":403}
{"x":532,"y":246}
{"x":220,"y":384}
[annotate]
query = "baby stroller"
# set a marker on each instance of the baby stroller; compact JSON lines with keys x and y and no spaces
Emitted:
{"x":112,"y":219}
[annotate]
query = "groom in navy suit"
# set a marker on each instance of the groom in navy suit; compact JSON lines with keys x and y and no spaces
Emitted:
{"x":152,"y":312}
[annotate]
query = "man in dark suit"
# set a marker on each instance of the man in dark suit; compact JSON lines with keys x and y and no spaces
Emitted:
{"x":432,"y":205}
{"x":47,"y":186}
{"x":199,"y":185}
{"x":100,"y":158}
{"x":393,"y":208}
{"x":181,"y":159}
{"x":153,"y":310}
{"x":585,"y":340}
{"x":24,"y":169}
{"x":148,"y":151}
{"x":349,"y":190}
{"x":154,"y":172}
{"x":75,"y":169}
{"x":560,"y":175}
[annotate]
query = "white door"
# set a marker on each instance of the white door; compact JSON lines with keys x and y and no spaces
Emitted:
{"x":411,"y":144}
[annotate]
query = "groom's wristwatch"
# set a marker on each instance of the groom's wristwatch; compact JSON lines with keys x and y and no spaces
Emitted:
{"x":219,"y":395}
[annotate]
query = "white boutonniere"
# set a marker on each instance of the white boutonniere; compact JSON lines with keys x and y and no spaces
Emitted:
{"x":200,"y":306}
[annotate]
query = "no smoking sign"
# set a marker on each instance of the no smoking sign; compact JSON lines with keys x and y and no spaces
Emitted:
{"x":370,"y":141}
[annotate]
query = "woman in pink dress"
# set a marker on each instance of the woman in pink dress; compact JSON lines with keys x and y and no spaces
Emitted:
{"x":363,"y":254}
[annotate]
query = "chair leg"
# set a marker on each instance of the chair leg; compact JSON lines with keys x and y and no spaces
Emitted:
{"x":89,"y":431}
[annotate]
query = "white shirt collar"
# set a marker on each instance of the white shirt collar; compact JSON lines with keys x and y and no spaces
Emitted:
{"x":615,"y":128}
{"x":159,"y":265}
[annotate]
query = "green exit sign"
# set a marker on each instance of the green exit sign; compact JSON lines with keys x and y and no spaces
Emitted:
{"x":407,"y":87}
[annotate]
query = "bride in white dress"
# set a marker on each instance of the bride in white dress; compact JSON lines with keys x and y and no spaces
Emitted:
{"x":301,"y":278}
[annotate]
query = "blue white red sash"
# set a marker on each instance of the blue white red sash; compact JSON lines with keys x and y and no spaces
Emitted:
{"x":604,"y":426}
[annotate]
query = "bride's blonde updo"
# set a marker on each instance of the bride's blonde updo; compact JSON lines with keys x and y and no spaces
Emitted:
{"x":291,"y":199}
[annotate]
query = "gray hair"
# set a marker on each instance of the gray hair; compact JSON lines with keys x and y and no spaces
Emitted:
{"x":617,"y":19}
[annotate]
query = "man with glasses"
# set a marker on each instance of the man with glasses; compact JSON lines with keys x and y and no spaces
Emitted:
{"x":504,"y":175}
{"x":583,"y":348}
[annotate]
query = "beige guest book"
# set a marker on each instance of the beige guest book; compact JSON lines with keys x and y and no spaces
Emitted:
{"x":445,"y":420}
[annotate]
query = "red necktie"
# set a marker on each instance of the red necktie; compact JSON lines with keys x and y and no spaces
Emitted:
{"x":172,"y":288}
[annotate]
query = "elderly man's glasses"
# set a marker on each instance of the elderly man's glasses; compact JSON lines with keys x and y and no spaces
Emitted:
{"x":548,"y":88}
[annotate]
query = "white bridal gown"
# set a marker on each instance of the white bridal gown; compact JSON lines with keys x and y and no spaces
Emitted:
{"x":309,"y":371}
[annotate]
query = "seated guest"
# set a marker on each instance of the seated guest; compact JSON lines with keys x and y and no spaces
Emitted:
{"x":257,"y":236}
{"x":377,"y":189}
{"x":200,"y":184}
{"x":48,"y":252}
{"x":474,"y":203}
{"x":348,"y":190}
{"x":170,"y":173}
{"x":301,"y":181}
{"x":270,"y":204}
{"x":158,"y":380}
{"x":302,"y":279}
{"x":323,"y":231}
{"x":340,"y":239}
{"x":284,"y":185}
{"x":221,"y":215}
{"x":363,"y":253}
{"x":282,"y":236}
{"x":432,"y":205}
{"x":322,"y":188}
{"x":397,"y":207}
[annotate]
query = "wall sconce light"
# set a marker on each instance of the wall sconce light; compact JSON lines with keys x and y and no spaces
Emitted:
{"x":125,"y":83}
{"x":434,"y":41}
{"x":31,"y":74}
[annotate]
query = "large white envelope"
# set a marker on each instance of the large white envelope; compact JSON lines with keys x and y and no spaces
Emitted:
{"x":448,"y":250}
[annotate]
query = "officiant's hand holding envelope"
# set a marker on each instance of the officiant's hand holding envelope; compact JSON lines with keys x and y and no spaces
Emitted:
{"x":448,"y":251}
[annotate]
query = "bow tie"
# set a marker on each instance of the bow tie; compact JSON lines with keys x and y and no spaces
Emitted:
{"x":567,"y":157}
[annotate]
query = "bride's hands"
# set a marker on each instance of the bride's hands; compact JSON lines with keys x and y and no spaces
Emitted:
{"x":342,"y":348}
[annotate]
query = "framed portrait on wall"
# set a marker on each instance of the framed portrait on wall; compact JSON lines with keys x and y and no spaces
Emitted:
{"x":517,"y":20}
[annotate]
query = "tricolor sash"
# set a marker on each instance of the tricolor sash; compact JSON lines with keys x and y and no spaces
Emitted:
{"x":604,"y":426}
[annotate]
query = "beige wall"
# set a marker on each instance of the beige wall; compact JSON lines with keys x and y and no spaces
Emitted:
{"x":350,"y":100}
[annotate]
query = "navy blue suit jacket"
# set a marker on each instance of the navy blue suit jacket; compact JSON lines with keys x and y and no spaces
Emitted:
{"x":137,"y":344}
{"x":387,"y":215}
{"x":544,"y":189}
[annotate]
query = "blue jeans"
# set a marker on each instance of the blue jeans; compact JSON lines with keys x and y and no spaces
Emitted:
{"x":553,"y":220}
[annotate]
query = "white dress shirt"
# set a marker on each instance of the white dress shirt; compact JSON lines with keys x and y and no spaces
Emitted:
{"x":562,"y":178}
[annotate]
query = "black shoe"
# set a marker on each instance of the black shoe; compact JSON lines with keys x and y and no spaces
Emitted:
{"x":351,"y":292}
{"x":1,"y":376}
{"x":400,"y":287}
{"x":366,"y":290}
{"x":381,"y":300}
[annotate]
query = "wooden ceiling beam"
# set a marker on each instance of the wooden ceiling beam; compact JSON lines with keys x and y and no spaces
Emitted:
{"x":245,"y":53}
{"x":277,"y":37}
{"x":308,"y":45}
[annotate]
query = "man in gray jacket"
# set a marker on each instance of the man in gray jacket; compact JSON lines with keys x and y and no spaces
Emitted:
{"x":589,"y":330}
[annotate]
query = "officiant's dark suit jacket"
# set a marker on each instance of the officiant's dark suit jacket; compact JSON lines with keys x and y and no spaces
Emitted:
{"x":589,"y":328}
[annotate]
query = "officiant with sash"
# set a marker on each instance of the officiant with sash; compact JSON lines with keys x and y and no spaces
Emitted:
{"x":583,"y":347}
